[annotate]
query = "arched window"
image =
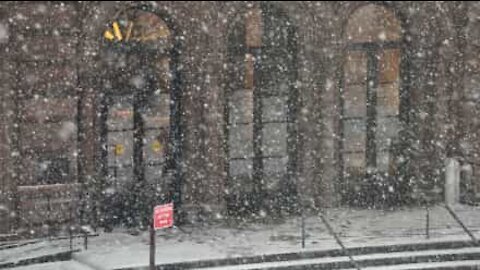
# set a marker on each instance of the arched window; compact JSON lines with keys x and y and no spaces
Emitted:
{"x":260,"y":110}
{"x":371,"y":100}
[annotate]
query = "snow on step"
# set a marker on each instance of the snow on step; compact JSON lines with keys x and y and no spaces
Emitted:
{"x":66,"y":265}
{"x":325,"y":260}
{"x":14,"y":255}
{"x":429,"y":265}
{"x":278,"y":264}
{"x":467,"y":250}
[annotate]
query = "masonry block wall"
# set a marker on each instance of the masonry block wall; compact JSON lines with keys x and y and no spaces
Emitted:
{"x":52,"y":80}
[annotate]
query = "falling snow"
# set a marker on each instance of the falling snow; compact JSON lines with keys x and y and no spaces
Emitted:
{"x":243,"y":115}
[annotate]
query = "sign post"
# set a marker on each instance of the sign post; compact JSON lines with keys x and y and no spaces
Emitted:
{"x":162,"y":218}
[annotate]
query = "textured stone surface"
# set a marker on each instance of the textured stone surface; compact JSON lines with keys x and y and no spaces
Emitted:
{"x":60,"y":56}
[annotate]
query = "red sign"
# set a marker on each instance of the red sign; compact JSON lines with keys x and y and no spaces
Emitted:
{"x":163,"y":216}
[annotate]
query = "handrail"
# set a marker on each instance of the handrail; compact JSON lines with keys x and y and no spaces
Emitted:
{"x":457,"y":219}
{"x":340,"y":243}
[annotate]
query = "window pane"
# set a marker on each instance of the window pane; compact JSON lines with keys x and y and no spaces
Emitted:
{"x":387,"y":130}
{"x":254,"y":27}
{"x":389,"y":66}
{"x":388,"y":100}
{"x":240,"y":141}
{"x":355,"y":68}
{"x":156,"y":144}
{"x":241,"y":107}
{"x":383,"y":161}
{"x":123,"y":175}
{"x":274,"y":109}
{"x":274,"y":139}
{"x":355,"y":104}
{"x":249,"y":71}
{"x":275,"y":165}
{"x":120,"y":114}
{"x":120,"y":148}
{"x":241,"y":167}
{"x":275,"y":83}
{"x":157,"y":113}
{"x":272,"y":183}
{"x":354,"y":162}
{"x":354,"y":135}
{"x":241,"y":185}
{"x":154,"y":175}
{"x":274,"y":169}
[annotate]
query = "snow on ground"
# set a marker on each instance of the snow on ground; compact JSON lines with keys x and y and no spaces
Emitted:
{"x":69,"y":265}
{"x":429,"y":265}
{"x":42,"y":248}
{"x":357,"y":227}
{"x":339,"y":259}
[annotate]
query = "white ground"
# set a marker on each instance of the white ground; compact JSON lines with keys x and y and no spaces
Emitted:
{"x":70,"y":265}
{"x":200,"y":242}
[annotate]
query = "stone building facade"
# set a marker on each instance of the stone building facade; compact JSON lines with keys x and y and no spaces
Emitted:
{"x":230,"y":108}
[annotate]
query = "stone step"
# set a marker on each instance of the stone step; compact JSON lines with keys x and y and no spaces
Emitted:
{"x":458,"y":265}
{"x":369,"y":260}
{"x":323,"y":254}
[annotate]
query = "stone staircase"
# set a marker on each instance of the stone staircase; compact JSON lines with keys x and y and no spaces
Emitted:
{"x":431,"y":255}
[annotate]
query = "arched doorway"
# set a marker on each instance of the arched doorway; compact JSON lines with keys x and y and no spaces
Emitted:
{"x":140,"y":132}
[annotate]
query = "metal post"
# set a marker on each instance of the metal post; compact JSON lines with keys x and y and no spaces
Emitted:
{"x":70,"y":226}
{"x":427,"y":226}
{"x":152,"y":247}
{"x":303,"y":229}
{"x":70,"y":237}
{"x":85,"y":240}
{"x":49,"y":220}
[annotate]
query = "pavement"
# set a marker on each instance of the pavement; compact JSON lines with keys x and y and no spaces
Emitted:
{"x":221,"y":240}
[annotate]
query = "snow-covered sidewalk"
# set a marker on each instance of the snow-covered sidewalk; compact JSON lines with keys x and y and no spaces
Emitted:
{"x":219,"y":241}
{"x":68,"y":265}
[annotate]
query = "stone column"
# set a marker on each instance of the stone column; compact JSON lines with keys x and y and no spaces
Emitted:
{"x":7,"y":185}
{"x":452,"y":181}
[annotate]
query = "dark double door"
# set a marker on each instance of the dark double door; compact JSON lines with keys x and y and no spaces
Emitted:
{"x":136,"y":143}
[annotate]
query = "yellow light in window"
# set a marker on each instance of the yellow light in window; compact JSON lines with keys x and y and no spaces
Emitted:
{"x":116,"y":30}
{"x":108,"y":35}
{"x":129,"y":31}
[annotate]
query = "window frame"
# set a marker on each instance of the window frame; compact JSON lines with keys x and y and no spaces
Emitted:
{"x":235,"y":51}
{"x":404,"y":115}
